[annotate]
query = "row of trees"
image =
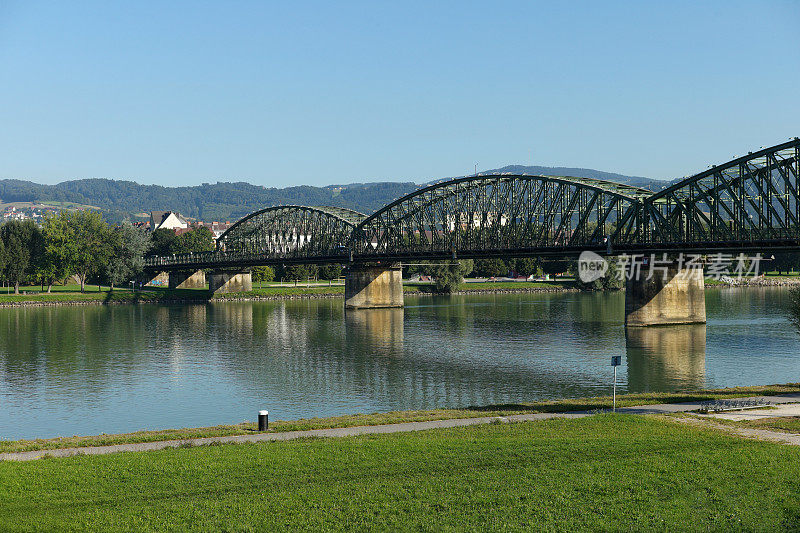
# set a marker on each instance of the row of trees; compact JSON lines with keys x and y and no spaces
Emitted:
{"x":70,"y":243}
{"x":783,"y":262}
{"x":164,"y":241}
{"x":297,"y":272}
{"x":496,"y":267}
{"x":84,"y":245}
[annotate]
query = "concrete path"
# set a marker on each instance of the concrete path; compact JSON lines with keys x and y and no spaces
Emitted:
{"x":388,"y":428}
{"x":288,"y":435}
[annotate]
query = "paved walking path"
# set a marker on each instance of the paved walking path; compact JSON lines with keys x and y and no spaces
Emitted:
{"x":398,"y":428}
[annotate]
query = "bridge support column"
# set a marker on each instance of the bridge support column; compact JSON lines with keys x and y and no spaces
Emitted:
{"x":372,"y":287}
{"x":159,"y":280}
{"x":187,"y":280}
{"x":676,"y":296}
{"x":229,"y":282}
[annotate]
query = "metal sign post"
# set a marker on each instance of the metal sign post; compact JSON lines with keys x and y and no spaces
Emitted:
{"x":616,"y":360}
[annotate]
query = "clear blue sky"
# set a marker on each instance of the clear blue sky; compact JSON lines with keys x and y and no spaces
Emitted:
{"x":335,"y":92}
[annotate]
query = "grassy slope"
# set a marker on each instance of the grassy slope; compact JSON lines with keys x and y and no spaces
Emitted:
{"x":579,"y":404}
{"x":605,"y":472}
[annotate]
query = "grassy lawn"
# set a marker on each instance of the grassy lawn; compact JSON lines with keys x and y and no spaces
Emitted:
{"x":555,"y":406}
{"x":609,"y":472}
{"x":286,"y":290}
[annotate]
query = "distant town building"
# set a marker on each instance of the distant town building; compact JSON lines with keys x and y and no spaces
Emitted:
{"x":217,"y":228}
{"x":34,"y":213}
{"x":167,"y":220}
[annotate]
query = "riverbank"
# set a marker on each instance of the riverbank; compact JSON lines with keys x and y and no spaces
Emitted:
{"x":73,"y":296}
{"x":601,"y":472}
{"x":250,"y":428}
{"x":67,"y":296}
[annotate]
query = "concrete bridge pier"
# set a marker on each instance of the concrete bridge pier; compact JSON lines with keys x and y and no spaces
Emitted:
{"x":673,"y":295}
{"x":187,"y":280}
{"x":373,"y":287}
{"x":229,"y":281}
{"x":155,"y":280}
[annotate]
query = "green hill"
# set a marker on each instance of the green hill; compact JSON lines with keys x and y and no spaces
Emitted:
{"x":232,"y":200}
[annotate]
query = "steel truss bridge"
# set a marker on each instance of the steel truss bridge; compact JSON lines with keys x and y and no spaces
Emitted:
{"x":748,"y":204}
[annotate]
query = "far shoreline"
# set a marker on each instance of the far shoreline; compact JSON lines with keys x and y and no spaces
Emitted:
{"x":198,"y":296}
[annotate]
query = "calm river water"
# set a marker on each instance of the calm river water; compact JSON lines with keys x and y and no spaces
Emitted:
{"x":109,"y":369}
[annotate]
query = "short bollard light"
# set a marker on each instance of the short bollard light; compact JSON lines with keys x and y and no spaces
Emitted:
{"x":263,"y":420}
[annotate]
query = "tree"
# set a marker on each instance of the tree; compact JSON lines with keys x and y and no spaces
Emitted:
{"x":450,"y":275}
{"x":92,"y":244}
{"x":297,"y":272}
{"x":330,"y":271}
{"x":784,"y":262}
{"x":200,"y":239}
{"x":59,"y":248}
{"x":556,"y":265}
{"x":491,"y":267}
{"x":21,"y":247}
{"x":527,"y":266}
{"x":2,"y":257}
{"x":611,"y":280}
{"x":128,"y":244}
{"x":163,"y":242}
{"x":263,"y":274}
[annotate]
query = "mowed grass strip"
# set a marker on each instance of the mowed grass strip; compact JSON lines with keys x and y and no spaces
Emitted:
{"x":609,"y":472}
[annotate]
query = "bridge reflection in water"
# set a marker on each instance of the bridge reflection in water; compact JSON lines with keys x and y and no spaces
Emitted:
{"x":666,"y":358}
{"x":382,"y":329}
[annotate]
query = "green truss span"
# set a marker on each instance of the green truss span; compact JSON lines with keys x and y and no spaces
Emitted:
{"x":749,"y":203}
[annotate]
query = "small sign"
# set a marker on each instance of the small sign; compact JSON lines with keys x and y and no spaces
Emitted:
{"x":616,"y":360}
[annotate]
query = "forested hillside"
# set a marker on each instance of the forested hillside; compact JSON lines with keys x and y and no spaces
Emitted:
{"x":231,"y":201}
{"x":218,"y":201}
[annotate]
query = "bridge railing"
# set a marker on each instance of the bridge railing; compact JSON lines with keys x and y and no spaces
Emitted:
{"x":219,"y":258}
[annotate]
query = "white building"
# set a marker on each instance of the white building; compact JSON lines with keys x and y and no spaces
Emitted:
{"x":167,"y":220}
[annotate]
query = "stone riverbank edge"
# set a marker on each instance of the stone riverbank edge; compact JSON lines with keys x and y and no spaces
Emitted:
{"x":145,"y":297}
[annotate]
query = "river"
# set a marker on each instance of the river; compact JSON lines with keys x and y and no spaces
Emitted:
{"x":109,"y":369}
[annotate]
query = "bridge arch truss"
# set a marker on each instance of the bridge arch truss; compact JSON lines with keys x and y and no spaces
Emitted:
{"x":750,"y":202}
{"x":291,"y":232}
{"x":515,"y":214}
